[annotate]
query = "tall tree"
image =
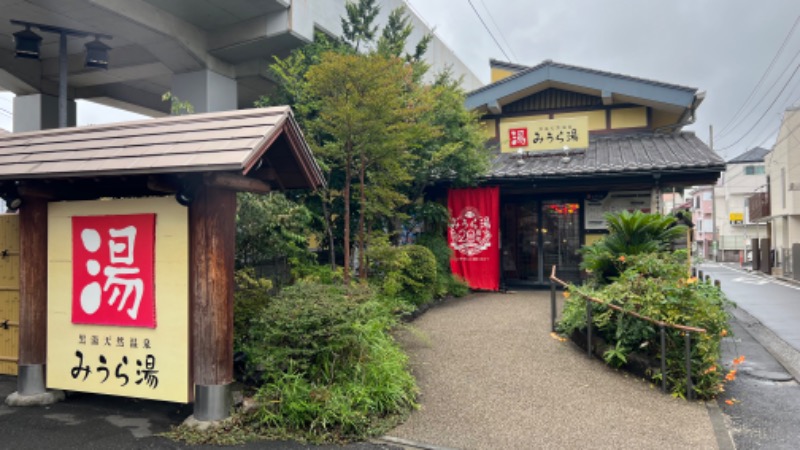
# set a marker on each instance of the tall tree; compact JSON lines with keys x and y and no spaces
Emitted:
{"x":358,"y":27}
{"x":387,"y":132}
{"x":364,"y":112}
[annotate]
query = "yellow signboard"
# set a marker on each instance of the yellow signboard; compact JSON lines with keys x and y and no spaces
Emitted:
{"x":736,"y":218}
{"x":117,"y":355}
{"x":540,"y":135}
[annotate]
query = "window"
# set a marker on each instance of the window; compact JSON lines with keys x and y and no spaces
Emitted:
{"x":754,"y":170}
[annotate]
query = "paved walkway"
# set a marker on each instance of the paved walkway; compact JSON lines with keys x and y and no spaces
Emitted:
{"x":492,"y":377}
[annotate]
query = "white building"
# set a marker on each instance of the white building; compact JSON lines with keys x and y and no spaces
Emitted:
{"x":744,"y":176}
{"x":783,"y":171}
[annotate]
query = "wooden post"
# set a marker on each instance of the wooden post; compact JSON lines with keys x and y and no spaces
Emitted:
{"x":33,"y":296}
{"x":212,"y":240}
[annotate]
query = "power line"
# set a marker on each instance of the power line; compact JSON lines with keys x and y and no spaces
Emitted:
{"x":488,"y":30}
{"x":763,"y":77}
{"x":763,"y":97}
{"x":499,"y":30}
{"x":766,"y":111}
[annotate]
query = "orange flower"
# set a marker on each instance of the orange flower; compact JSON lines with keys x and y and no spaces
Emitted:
{"x":729,"y":402}
{"x":691,"y":280}
{"x":566,"y":294}
{"x":710,"y":369}
{"x":621,"y":258}
{"x":723,"y":333}
{"x":731,"y":375}
{"x":738,"y":360}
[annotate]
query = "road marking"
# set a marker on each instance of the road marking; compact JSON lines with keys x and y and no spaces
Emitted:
{"x":765,"y":280}
{"x":748,"y":280}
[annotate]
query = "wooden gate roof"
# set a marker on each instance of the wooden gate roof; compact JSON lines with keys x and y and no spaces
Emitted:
{"x":259,"y":143}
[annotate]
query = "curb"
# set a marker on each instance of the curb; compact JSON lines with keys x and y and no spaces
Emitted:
{"x":724,"y":438}
{"x":784,"y":353}
{"x":409,"y":444}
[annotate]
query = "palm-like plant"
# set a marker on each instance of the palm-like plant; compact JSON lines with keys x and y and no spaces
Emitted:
{"x":630,"y":233}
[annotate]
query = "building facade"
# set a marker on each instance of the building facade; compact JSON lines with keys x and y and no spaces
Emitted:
{"x":573,"y":143}
{"x":783,"y":172}
{"x":743,"y":176}
{"x":704,"y":237}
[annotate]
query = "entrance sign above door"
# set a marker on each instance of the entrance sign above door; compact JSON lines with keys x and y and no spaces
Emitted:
{"x":540,"y":135}
{"x":473,"y":234}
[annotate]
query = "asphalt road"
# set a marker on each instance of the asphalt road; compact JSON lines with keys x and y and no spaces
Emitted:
{"x":776,"y":304}
{"x":765,"y":395}
{"x":88,"y":422}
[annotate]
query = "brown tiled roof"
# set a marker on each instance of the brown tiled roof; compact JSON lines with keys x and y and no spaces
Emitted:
{"x":221,"y":141}
{"x":608,"y":156}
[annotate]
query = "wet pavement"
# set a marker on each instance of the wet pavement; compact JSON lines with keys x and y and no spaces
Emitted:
{"x":766,"y":396}
{"x":88,"y":422}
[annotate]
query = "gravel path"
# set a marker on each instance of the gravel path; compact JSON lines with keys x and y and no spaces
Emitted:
{"x":492,"y":377}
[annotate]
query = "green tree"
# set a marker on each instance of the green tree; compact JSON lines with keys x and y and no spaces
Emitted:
{"x":269,"y":227}
{"x":358,"y":27}
{"x":425,"y":134}
{"x":363,"y":109}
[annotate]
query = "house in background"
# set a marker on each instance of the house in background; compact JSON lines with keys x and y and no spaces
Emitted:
{"x":744,"y":176}
{"x":779,"y":208}
{"x":702,"y":205}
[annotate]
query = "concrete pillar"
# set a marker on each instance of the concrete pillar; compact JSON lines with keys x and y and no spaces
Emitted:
{"x":36,"y":112}
{"x":205,"y":90}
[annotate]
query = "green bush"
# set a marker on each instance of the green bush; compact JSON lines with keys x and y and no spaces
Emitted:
{"x":656,"y":285}
{"x":330,"y":369}
{"x":446,"y":282}
{"x":630,"y":233}
{"x":407,"y":272}
{"x":250,"y":298}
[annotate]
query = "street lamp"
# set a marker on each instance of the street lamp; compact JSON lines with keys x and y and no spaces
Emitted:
{"x":28,"y":45}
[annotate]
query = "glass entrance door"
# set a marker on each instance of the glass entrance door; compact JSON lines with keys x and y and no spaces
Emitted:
{"x":520,"y":242}
{"x":561,"y":239}
{"x":537,"y":234}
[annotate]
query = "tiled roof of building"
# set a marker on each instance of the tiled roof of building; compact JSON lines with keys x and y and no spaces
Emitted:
{"x":756,"y":154}
{"x":550,"y":63}
{"x":221,"y":141}
{"x":608,"y":156}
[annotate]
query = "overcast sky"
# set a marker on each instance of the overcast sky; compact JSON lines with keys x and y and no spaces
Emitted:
{"x":722,"y":47}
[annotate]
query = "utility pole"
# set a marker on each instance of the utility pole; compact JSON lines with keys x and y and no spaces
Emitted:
{"x":714,"y":240}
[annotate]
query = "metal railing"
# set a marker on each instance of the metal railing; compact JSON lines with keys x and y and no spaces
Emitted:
{"x":687,"y":330}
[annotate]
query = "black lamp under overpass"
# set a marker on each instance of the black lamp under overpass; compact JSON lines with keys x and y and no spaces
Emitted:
{"x":28,"y":45}
{"x":97,"y":54}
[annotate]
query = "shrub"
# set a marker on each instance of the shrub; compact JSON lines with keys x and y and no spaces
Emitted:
{"x":630,"y":233}
{"x":446,"y":282}
{"x":656,"y":285}
{"x":250,"y":298}
{"x":330,"y":369}
{"x":408,"y":272}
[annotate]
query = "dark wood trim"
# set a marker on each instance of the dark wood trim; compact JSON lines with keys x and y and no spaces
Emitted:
{"x":33,"y":281}
{"x":545,"y":112}
{"x":236,"y":182}
{"x":212,"y":240}
{"x":160,"y":183}
{"x":32,"y":190}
